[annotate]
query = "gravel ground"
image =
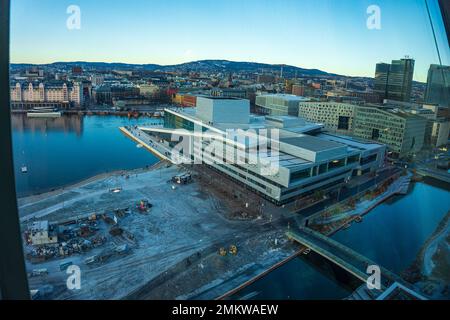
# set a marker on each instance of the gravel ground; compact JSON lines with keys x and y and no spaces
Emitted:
{"x":177,"y":243}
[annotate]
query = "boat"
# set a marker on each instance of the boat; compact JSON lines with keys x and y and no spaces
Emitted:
{"x":115,"y":190}
{"x":44,"y":113}
{"x":346,"y":226}
{"x":139,"y":146}
{"x":358,"y":219}
{"x":306,"y":251}
{"x":24,"y":169}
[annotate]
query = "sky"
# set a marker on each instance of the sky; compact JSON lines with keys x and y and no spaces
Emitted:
{"x":331,"y":35}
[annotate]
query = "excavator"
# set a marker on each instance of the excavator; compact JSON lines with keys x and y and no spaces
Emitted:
{"x":233,"y":250}
{"x":143,"y":206}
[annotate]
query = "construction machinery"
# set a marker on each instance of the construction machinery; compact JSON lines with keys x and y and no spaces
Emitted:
{"x":223,"y":252}
{"x":63,"y":266}
{"x":116,"y":231}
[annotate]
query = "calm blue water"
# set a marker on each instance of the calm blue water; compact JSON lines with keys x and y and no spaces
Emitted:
{"x":69,"y":149}
{"x":391,"y":235}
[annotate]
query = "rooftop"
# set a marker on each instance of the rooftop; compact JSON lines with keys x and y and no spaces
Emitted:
{"x":312,"y":143}
{"x":286,"y":96}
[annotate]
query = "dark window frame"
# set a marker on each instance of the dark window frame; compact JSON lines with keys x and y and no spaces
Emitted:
{"x":13,"y":277}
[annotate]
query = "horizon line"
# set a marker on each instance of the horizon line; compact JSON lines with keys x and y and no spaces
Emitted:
{"x":191,"y":61}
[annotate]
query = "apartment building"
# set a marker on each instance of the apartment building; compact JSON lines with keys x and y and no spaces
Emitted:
{"x":40,"y":93}
{"x":402,"y":132}
{"x":335,"y":116}
{"x":279,"y":104}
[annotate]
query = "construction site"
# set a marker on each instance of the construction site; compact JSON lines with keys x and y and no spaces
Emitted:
{"x":168,"y":232}
{"x":164,"y":232}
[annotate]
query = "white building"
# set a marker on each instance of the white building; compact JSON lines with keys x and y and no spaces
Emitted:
{"x":39,"y":92}
{"x":304,"y":159}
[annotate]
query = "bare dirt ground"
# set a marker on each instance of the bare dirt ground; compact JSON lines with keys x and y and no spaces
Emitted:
{"x":175,"y":254}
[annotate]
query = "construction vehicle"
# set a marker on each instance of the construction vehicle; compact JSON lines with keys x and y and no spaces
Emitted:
{"x":90,"y":260}
{"x":122,"y":249}
{"x":233,"y":250}
{"x":115,"y":190}
{"x":63,"y":266}
{"x":222,"y":252}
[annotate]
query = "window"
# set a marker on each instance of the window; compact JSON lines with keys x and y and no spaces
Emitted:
{"x":368,"y":159}
{"x":92,"y":105}
{"x":300,"y":175}
{"x":336,"y":164}
{"x":323,"y":168}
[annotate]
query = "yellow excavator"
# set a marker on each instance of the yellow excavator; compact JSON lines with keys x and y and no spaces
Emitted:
{"x":233,"y":250}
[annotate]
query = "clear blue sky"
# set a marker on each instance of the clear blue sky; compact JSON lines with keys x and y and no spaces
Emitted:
{"x":326,"y":34}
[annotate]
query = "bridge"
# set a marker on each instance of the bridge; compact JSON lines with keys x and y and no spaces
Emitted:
{"x":441,"y":176}
{"x":346,"y":258}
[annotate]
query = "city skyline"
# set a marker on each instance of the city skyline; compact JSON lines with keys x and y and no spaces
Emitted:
{"x":236,"y":32}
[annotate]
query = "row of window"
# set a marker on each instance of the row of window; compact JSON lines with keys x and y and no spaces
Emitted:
{"x":304,"y":186}
{"x":323,"y":168}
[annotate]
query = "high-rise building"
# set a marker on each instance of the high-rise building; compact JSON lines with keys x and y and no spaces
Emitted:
{"x":279,"y":104}
{"x":394,"y":81}
{"x":402,"y":132}
{"x":438,"y":85}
